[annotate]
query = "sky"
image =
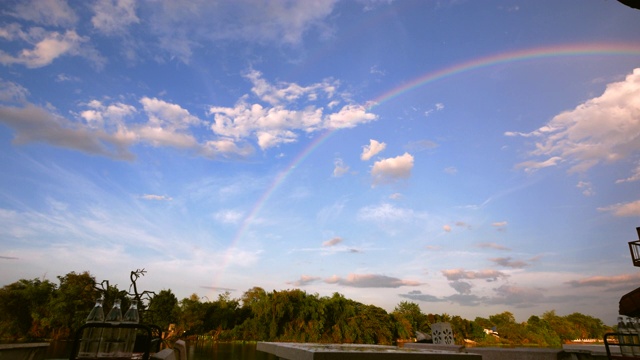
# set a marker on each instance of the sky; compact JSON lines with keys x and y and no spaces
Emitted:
{"x":473,"y":157}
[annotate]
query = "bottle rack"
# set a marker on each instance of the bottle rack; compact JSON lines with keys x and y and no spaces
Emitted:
{"x":143,"y":347}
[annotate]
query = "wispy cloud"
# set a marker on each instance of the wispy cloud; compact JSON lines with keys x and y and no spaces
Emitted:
{"x":370,"y":281}
{"x":509,"y":262}
{"x":459,"y":274}
{"x":492,"y":245}
{"x":623,"y":209}
{"x":155,"y":197}
{"x":305,"y":280}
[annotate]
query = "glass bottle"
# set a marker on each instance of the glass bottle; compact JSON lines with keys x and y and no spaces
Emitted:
{"x":624,"y":338}
{"x":130,"y":317}
{"x":633,"y":337}
{"x":112,"y":344}
{"x":90,"y":342}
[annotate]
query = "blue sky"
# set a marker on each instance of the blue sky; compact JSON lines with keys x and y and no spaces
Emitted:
{"x":472,"y":157}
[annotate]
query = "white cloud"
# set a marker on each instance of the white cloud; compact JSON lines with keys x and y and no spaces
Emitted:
{"x":47,"y":46}
{"x":624,"y":209}
{"x":374,"y":147}
{"x":45,"y":12}
{"x":370,"y":281}
{"x":349,"y":116}
{"x":339,"y":168}
{"x":390,"y":170}
{"x":110,"y":129}
{"x":532,"y":166}
{"x":603,"y":129}
{"x":113,"y":16}
{"x":635,"y":176}
{"x":275,"y":124}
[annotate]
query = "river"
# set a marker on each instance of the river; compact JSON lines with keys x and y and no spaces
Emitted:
{"x":195,"y":351}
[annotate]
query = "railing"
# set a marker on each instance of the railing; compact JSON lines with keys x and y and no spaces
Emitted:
{"x":627,"y":346}
{"x":634,"y":248}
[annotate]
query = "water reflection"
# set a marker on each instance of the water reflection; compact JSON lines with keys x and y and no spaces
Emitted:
{"x":226,"y":351}
{"x":195,"y":351}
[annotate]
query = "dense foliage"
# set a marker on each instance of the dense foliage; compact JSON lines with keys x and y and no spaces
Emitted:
{"x":38,"y":309}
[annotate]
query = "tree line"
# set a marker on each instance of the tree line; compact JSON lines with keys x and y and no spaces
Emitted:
{"x":39,"y":309}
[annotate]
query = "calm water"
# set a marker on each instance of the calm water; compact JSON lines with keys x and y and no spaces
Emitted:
{"x":195,"y":351}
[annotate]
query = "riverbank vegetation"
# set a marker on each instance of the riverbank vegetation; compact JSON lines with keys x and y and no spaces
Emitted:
{"x":40,"y":309}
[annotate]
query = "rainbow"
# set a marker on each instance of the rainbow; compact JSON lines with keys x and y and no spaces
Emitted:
{"x":566,"y":50}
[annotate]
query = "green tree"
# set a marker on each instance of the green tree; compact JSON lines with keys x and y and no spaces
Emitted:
{"x":561,"y":326}
{"x":411,"y":312}
{"x":541,"y":333}
{"x":163,"y":309}
{"x":192,"y":313}
{"x":72,"y":302}
{"x":15,"y":311}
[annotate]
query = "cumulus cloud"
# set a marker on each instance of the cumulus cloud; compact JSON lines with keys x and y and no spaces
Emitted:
{"x":623,"y":209}
{"x":335,"y":241}
{"x":274,"y":123}
{"x":369,"y":151}
{"x":111,"y":129}
{"x":459,"y":274}
{"x":446,"y":228}
{"x":390,"y":170}
{"x":370,"y":281}
{"x":604,"y":129}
